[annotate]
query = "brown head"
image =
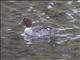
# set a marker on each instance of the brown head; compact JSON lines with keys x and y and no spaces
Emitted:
{"x":27,"y":21}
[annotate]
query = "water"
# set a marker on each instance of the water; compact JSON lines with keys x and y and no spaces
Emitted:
{"x":12,"y":44}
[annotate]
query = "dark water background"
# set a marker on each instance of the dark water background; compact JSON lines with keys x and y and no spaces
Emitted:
{"x":12,"y":44}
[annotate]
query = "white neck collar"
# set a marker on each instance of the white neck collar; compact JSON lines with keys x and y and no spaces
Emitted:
{"x":28,"y":28}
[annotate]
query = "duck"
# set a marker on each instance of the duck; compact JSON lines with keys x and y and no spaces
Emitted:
{"x":37,"y":32}
{"x":45,"y":33}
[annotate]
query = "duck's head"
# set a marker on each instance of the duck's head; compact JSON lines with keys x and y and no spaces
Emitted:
{"x":27,"y":22}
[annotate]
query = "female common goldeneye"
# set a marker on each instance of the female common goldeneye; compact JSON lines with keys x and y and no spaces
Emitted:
{"x":42,"y":33}
{"x":37,"y":33}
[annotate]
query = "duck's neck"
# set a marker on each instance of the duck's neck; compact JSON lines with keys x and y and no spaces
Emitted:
{"x":28,"y":28}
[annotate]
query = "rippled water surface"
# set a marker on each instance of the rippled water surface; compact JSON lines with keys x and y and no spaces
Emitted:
{"x":64,"y":14}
